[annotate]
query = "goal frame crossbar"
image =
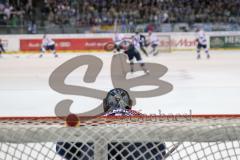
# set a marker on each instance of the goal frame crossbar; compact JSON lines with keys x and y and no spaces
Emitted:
{"x":157,"y":127}
{"x":204,"y":116}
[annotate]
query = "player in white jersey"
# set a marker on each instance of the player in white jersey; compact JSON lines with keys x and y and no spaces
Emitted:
{"x":141,"y":41}
{"x":48,"y":44}
{"x":153,"y":41}
{"x":118,"y":39}
{"x":201,"y":43}
{"x":116,"y":103}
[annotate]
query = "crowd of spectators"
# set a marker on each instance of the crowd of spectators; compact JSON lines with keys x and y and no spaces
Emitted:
{"x":104,"y":12}
{"x":140,"y":11}
{"x":59,"y":11}
{"x":10,"y":14}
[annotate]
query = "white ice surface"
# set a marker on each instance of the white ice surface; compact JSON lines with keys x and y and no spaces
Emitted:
{"x":204,"y":86}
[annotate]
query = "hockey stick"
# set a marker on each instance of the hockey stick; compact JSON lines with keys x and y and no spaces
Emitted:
{"x":122,"y":65}
{"x":115,"y":25}
{"x":121,"y":60}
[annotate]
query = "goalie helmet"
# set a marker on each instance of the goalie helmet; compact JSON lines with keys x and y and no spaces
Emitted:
{"x":117,"y":98}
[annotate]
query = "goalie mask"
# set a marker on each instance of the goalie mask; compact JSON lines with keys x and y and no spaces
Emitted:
{"x":117,"y":99}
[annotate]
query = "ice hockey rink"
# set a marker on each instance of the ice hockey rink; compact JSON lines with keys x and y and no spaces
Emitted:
{"x":202,"y":86}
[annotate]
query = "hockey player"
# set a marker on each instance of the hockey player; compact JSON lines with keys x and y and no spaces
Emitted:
{"x":2,"y":50}
{"x":118,"y":39}
{"x":116,"y":103}
{"x":119,"y":103}
{"x":141,"y":39}
{"x":132,"y":53}
{"x":47,"y":44}
{"x":201,"y":43}
{"x":153,"y":41}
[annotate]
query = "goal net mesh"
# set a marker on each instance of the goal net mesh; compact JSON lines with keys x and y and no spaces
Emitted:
{"x":121,"y":138}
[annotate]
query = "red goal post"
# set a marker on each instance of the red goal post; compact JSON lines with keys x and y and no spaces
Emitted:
{"x":192,"y":137}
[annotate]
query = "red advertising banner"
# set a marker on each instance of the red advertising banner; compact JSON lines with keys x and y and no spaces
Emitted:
{"x":66,"y":44}
{"x":97,"y":44}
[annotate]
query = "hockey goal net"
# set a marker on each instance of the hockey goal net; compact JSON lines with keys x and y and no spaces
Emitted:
{"x":198,"y":137}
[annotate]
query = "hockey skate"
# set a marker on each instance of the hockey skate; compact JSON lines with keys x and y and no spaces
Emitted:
{"x":198,"y":56}
{"x":208,"y":56}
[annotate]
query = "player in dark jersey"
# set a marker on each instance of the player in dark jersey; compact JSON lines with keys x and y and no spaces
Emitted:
{"x":2,"y":50}
{"x":116,"y":103}
{"x":119,"y":103}
{"x":132,"y":53}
